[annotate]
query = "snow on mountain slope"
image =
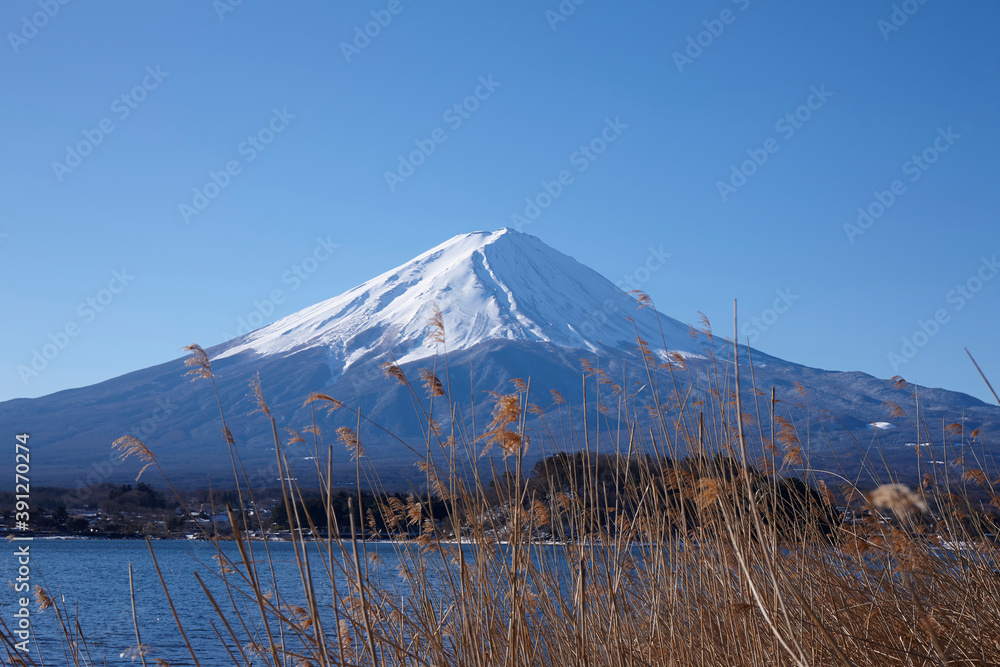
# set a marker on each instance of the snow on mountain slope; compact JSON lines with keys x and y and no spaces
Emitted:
{"x":512,"y":308}
{"x":488,"y":285}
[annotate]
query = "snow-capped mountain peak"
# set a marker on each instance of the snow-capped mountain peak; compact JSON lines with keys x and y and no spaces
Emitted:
{"x":512,"y":308}
{"x":488,"y":285}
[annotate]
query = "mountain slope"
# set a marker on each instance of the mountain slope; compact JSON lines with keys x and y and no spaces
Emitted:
{"x":511,"y":307}
{"x":488,"y":285}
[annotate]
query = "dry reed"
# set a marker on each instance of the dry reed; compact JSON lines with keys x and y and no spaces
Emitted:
{"x":692,"y":531}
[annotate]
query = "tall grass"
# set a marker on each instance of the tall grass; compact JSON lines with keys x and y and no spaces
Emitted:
{"x":675,"y":537}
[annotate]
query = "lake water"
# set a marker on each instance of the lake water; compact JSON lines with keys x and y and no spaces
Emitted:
{"x":92,"y":577}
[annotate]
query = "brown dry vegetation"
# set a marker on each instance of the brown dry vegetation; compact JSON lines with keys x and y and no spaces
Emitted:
{"x":713,"y":560}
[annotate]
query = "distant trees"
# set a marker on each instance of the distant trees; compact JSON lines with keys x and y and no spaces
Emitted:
{"x":77,"y":525}
{"x":59,"y":515}
{"x":609,"y":488}
{"x":370,"y":520}
{"x":126,"y":499}
{"x":311,"y":509}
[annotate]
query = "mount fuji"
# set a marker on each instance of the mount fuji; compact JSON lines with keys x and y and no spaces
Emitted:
{"x":487,"y":286}
{"x":510,"y":307}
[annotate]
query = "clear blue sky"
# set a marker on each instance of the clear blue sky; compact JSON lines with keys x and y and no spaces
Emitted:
{"x":199,"y":81}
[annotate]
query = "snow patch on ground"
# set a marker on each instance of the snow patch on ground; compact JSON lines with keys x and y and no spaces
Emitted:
{"x":881,"y":425}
